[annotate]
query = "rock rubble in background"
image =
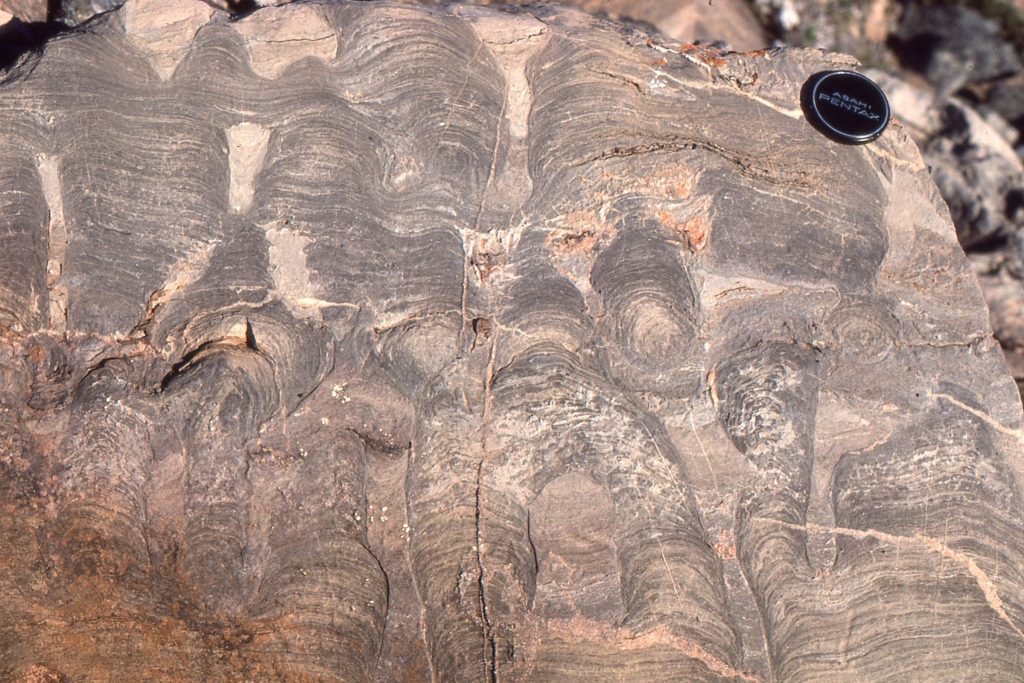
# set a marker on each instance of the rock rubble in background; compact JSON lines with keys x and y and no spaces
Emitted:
{"x":968,"y":68}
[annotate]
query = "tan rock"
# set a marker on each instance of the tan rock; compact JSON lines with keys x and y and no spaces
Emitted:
{"x":380,"y":342}
{"x":26,"y":10}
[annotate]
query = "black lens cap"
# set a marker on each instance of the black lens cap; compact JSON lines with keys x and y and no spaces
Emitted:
{"x":845,"y":106}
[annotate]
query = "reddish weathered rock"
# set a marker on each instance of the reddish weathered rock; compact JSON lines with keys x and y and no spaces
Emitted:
{"x":367,"y":341}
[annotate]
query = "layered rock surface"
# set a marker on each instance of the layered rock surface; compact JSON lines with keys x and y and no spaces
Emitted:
{"x":361,"y":341}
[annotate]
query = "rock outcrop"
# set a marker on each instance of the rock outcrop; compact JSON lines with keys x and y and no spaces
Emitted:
{"x":365,"y":341}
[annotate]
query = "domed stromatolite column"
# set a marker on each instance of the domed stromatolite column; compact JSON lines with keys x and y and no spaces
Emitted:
{"x":359,"y":341}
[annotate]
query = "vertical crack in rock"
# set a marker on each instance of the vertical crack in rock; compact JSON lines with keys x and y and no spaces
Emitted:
{"x":49,"y":174}
{"x":468,"y":241}
{"x":424,"y":617}
{"x":247,"y":148}
{"x":704,"y":454}
{"x":512,"y":40}
{"x":280,"y":37}
{"x":490,"y":643}
{"x":493,"y":170}
{"x":490,"y":647}
{"x":164,"y":31}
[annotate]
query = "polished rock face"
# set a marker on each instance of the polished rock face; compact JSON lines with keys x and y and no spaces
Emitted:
{"x":359,"y":341}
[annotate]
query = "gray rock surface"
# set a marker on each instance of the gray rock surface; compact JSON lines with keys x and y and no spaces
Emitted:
{"x":979,"y":175}
{"x":1006,"y":98}
{"x":953,"y":44}
{"x":981,"y":178}
{"x":730,"y":21}
{"x":361,"y":341}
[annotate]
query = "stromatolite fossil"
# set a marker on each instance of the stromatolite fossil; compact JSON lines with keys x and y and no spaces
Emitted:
{"x":360,"y":341}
